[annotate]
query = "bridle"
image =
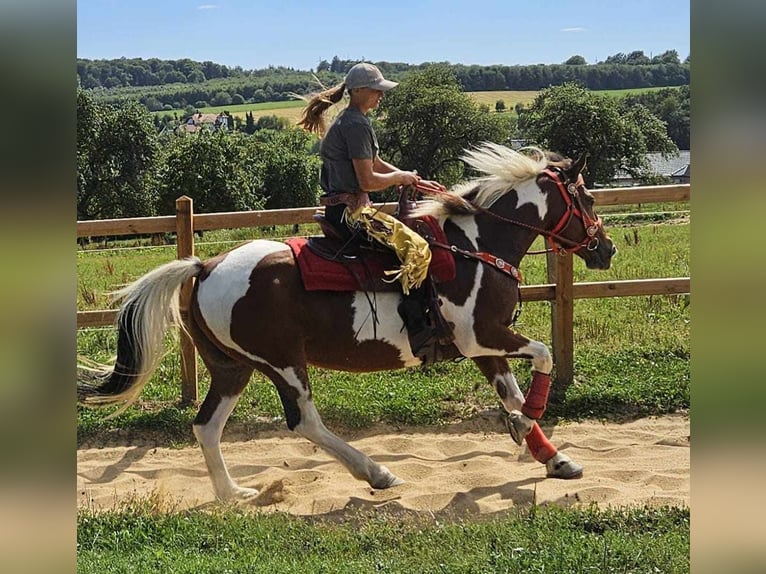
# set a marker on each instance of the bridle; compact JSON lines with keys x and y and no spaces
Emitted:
{"x":575,"y":208}
{"x":570,"y":193}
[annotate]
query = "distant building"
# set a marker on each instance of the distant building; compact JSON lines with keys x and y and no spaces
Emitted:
{"x":677,"y":168}
{"x":200,"y":121}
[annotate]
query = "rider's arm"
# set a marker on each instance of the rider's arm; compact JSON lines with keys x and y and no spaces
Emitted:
{"x":372,"y":179}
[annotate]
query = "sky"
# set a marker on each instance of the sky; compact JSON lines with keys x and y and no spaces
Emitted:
{"x":300,"y":33}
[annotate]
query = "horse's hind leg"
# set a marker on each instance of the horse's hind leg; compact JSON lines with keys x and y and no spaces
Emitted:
{"x":499,"y":374}
{"x":226,"y":387}
{"x":228,"y":380}
{"x":302,"y":417}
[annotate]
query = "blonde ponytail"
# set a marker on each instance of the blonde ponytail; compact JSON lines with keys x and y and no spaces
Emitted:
{"x":312,"y":119}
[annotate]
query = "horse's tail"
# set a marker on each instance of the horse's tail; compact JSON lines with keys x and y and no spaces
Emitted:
{"x":150,"y":306}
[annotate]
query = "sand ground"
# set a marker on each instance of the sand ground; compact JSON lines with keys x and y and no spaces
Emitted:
{"x":463,"y":468}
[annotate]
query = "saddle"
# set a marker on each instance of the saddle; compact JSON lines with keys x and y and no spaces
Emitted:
{"x":334,"y":263}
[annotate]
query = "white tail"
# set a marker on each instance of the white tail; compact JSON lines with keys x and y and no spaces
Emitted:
{"x":150,"y":306}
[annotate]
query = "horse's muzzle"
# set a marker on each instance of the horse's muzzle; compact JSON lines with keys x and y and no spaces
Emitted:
{"x":601,"y":257}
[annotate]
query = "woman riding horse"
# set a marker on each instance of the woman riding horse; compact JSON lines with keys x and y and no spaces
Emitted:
{"x":249,"y":311}
{"x":351,"y":167}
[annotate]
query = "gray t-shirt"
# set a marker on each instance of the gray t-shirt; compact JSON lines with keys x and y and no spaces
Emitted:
{"x":350,"y":137}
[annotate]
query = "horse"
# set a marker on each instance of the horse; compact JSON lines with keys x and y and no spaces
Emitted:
{"x":249,"y":311}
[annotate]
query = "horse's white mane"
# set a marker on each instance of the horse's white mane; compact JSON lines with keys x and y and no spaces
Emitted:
{"x":505,"y":168}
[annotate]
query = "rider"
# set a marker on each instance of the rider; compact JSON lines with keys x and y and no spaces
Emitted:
{"x":351,"y":168}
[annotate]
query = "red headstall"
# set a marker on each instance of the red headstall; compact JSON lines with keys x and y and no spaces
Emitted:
{"x":571,"y":194}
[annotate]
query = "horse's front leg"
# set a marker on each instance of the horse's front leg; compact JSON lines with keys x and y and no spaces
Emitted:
{"x":496,"y":340}
{"x":499,"y":374}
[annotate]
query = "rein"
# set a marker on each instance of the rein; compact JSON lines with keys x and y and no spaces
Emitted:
{"x":574,"y":208}
{"x":590,"y":242}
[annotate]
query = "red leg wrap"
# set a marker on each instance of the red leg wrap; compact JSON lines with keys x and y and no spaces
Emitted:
{"x":539,"y":446}
{"x":537,"y":396}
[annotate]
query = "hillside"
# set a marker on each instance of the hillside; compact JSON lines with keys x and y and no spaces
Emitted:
{"x":177,"y":84}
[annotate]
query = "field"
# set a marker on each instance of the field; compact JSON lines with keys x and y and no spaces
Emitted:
{"x":631,"y":361}
{"x":291,"y":110}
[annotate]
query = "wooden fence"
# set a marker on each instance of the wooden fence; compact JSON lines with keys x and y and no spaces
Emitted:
{"x":561,"y":290}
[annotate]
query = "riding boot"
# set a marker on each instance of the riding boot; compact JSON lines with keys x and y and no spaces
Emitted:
{"x":426,"y":327}
{"x":414,"y":312}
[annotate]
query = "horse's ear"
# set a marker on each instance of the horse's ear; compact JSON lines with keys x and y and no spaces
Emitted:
{"x":576,"y":168}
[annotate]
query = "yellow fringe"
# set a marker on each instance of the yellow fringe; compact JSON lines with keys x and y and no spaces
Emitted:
{"x":411,"y":249}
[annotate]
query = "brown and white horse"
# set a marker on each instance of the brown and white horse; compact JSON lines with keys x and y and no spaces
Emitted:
{"x":249,"y":310}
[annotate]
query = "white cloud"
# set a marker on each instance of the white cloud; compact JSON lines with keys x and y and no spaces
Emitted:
{"x":575,"y":29}
{"x":207,"y":6}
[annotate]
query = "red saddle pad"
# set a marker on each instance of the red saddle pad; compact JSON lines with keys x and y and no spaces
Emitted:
{"x":320,"y":274}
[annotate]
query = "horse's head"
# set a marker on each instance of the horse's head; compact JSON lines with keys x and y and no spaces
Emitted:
{"x":574,"y":225}
{"x":551,"y":183}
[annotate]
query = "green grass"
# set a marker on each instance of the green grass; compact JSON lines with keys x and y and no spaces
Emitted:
{"x":627,"y":92}
{"x":141,"y":538}
{"x":631,"y":353}
{"x":291,"y":109}
{"x":631,"y":359}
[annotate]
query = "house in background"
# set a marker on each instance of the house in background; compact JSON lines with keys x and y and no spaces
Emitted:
{"x":676,"y":168}
{"x":211,"y":122}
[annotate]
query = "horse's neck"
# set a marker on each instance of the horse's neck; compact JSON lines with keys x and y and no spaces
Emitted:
{"x":486,"y":233}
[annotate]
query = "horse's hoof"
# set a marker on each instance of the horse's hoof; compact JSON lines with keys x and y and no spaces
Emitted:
{"x":238,"y":493}
{"x":561,"y":466}
{"x":385,"y":479}
{"x":519,"y":426}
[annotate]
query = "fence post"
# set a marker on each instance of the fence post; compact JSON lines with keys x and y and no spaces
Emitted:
{"x":185,"y":248}
{"x":560,"y":272}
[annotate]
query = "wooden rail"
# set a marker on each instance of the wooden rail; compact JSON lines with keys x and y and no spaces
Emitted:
{"x":561,"y":290}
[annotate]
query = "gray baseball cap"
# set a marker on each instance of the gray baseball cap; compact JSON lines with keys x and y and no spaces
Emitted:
{"x":366,"y":75}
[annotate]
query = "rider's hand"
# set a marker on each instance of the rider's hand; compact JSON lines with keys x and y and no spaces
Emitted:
{"x":408,"y":178}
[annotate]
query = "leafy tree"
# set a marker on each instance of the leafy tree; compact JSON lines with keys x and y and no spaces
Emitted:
{"x":173,"y":77}
{"x":249,"y":123}
{"x":429,"y":122}
{"x":618,"y":58}
{"x":289,"y":173}
{"x":668,"y":57}
{"x":214,"y":169}
{"x":575,"y":61}
{"x":637,"y":57}
{"x":196,"y":77}
{"x":574,"y":121}
{"x":222,"y":99}
{"x":117,"y":153}
{"x":237,"y":99}
{"x":271,"y":122}
{"x":499,"y":106}
{"x":671,"y":105}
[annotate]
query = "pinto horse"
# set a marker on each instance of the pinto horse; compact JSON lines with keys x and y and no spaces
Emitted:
{"x":249,"y":311}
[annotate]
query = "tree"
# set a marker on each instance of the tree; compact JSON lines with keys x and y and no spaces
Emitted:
{"x":429,"y":122}
{"x":636,"y":58}
{"x":499,"y":106}
{"x":668,"y":57}
{"x":289,"y":173}
{"x":117,"y":154}
{"x":271,"y":122}
{"x":672,"y":106}
{"x":221,"y":99}
{"x":571,"y":120}
{"x":249,"y":123}
{"x":215,"y":169}
{"x":575,"y":61}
